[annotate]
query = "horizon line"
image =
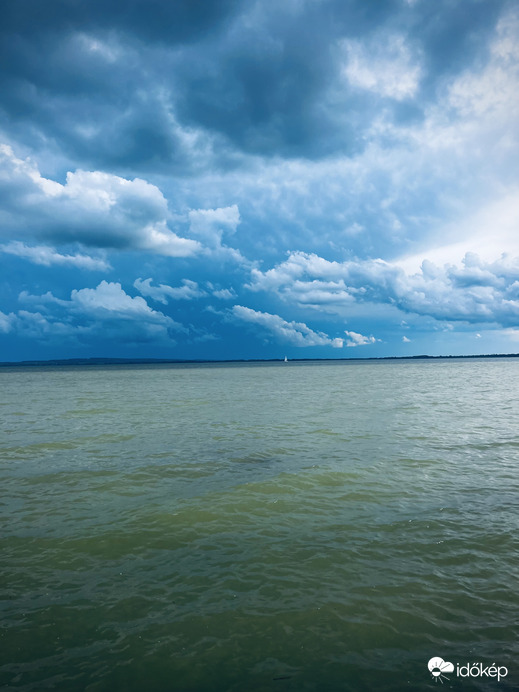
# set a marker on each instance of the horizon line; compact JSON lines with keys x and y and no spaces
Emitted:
{"x":102,"y":360}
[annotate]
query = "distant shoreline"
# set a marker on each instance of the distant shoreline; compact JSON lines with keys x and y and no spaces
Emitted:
{"x":178,"y":361}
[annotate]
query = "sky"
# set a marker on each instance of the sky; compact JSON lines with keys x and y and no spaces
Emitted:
{"x":228,"y":179}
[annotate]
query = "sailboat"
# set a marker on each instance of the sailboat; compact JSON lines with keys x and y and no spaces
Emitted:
{"x":286,"y":359}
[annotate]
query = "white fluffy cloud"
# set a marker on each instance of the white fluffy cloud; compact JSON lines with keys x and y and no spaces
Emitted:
{"x":296,"y":333}
{"x":356,"y":339}
{"x":47,"y":256}
{"x":5,"y":322}
{"x":210,"y":226}
{"x":476,"y":291}
{"x":93,"y":208}
{"x":188,"y":291}
{"x":224,"y":293}
{"x":106,"y":308}
{"x":109,"y":299}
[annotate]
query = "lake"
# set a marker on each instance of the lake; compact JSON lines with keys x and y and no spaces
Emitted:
{"x":301,"y":526}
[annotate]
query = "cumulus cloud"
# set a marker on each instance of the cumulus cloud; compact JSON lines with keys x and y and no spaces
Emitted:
{"x":47,"y":256}
{"x":109,"y":298}
{"x":210,"y":226}
{"x":38,"y":326}
{"x":296,"y":333}
{"x":40,"y":300}
{"x":477,"y":291}
{"x":92,"y":208}
{"x":221,"y":293}
{"x":5,"y":322}
{"x":89,"y":311}
{"x":224,"y":293}
{"x":188,"y":291}
{"x":356,"y":339}
{"x":109,"y":302}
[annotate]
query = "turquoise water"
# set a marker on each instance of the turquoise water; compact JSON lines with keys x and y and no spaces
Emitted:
{"x":284,"y":527}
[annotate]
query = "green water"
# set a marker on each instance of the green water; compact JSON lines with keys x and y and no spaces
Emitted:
{"x":284,"y":527}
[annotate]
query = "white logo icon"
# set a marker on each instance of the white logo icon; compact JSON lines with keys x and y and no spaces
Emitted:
{"x":438,"y":667}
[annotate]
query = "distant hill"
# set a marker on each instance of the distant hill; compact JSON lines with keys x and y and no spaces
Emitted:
{"x":151,"y":361}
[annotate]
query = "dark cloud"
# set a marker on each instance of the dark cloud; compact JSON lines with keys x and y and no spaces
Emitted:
{"x":85,"y":75}
{"x":452,"y":33}
{"x":119,"y":85}
{"x":266,"y":87}
{"x":152,"y":20}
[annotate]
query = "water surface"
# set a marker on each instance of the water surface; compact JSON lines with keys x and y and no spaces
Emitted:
{"x":285,"y":527}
